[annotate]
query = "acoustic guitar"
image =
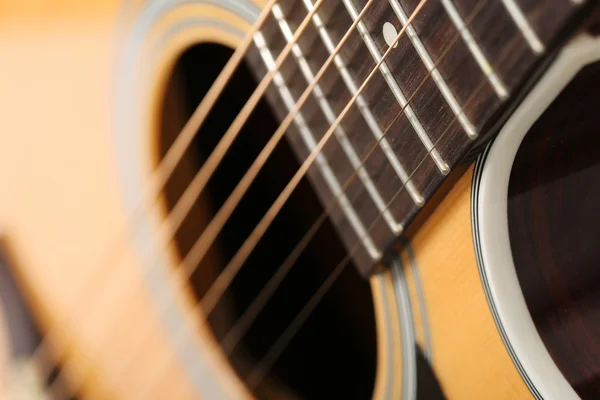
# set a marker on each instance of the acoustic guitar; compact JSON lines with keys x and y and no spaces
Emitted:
{"x":337,"y":199}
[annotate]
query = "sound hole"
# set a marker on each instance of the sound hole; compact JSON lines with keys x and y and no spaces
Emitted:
{"x":333,"y":355}
{"x":554,"y":226}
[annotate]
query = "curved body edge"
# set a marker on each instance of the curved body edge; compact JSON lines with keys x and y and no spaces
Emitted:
{"x":453,"y":325}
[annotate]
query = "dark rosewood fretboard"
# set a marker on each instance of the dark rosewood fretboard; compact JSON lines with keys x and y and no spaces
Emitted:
{"x":455,"y":68}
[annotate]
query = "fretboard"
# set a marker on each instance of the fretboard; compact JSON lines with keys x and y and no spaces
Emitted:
{"x":455,"y":68}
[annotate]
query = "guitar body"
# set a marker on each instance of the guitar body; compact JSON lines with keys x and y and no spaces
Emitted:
{"x":83,"y":129}
{"x":61,"y":63}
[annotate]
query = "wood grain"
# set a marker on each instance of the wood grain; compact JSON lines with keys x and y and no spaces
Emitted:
{"x":554,"y":222}
{"x":468,"y":356}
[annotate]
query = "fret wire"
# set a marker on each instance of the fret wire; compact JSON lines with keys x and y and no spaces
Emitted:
{"x":435,"y":73}
{"x":475,"y":50}
{"x":345,"y":143}
{"x":310,"y":142}
{"x":397,"y":92}
{"x":523,"y":24}
{"x":364,"y":108}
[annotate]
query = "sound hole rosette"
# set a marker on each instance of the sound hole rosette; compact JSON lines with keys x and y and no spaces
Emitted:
{"x":491,"y":231}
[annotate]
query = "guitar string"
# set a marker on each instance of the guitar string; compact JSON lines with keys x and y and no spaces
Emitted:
{"x":47,"y":354}
{"x":256,"y":376}
{"x":239,"y":329}
{"x":179,"y":212}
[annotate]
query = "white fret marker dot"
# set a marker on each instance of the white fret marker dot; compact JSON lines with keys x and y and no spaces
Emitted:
{"x":389,"y":34}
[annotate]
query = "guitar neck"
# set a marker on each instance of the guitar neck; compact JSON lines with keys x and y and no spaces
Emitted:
{"x":399,"y":131}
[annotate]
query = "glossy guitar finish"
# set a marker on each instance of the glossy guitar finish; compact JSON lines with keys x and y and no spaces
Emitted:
{"x":85,"y":137}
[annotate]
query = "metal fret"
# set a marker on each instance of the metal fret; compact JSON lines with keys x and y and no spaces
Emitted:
{"x":345,"y":143}
{"x":365,"y":111}
{"x":424,"y":55}
{"x":435,"y":74}
{"x":526,"y":29}
{"x":473,"y":47}
{"x":397,"y":92}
